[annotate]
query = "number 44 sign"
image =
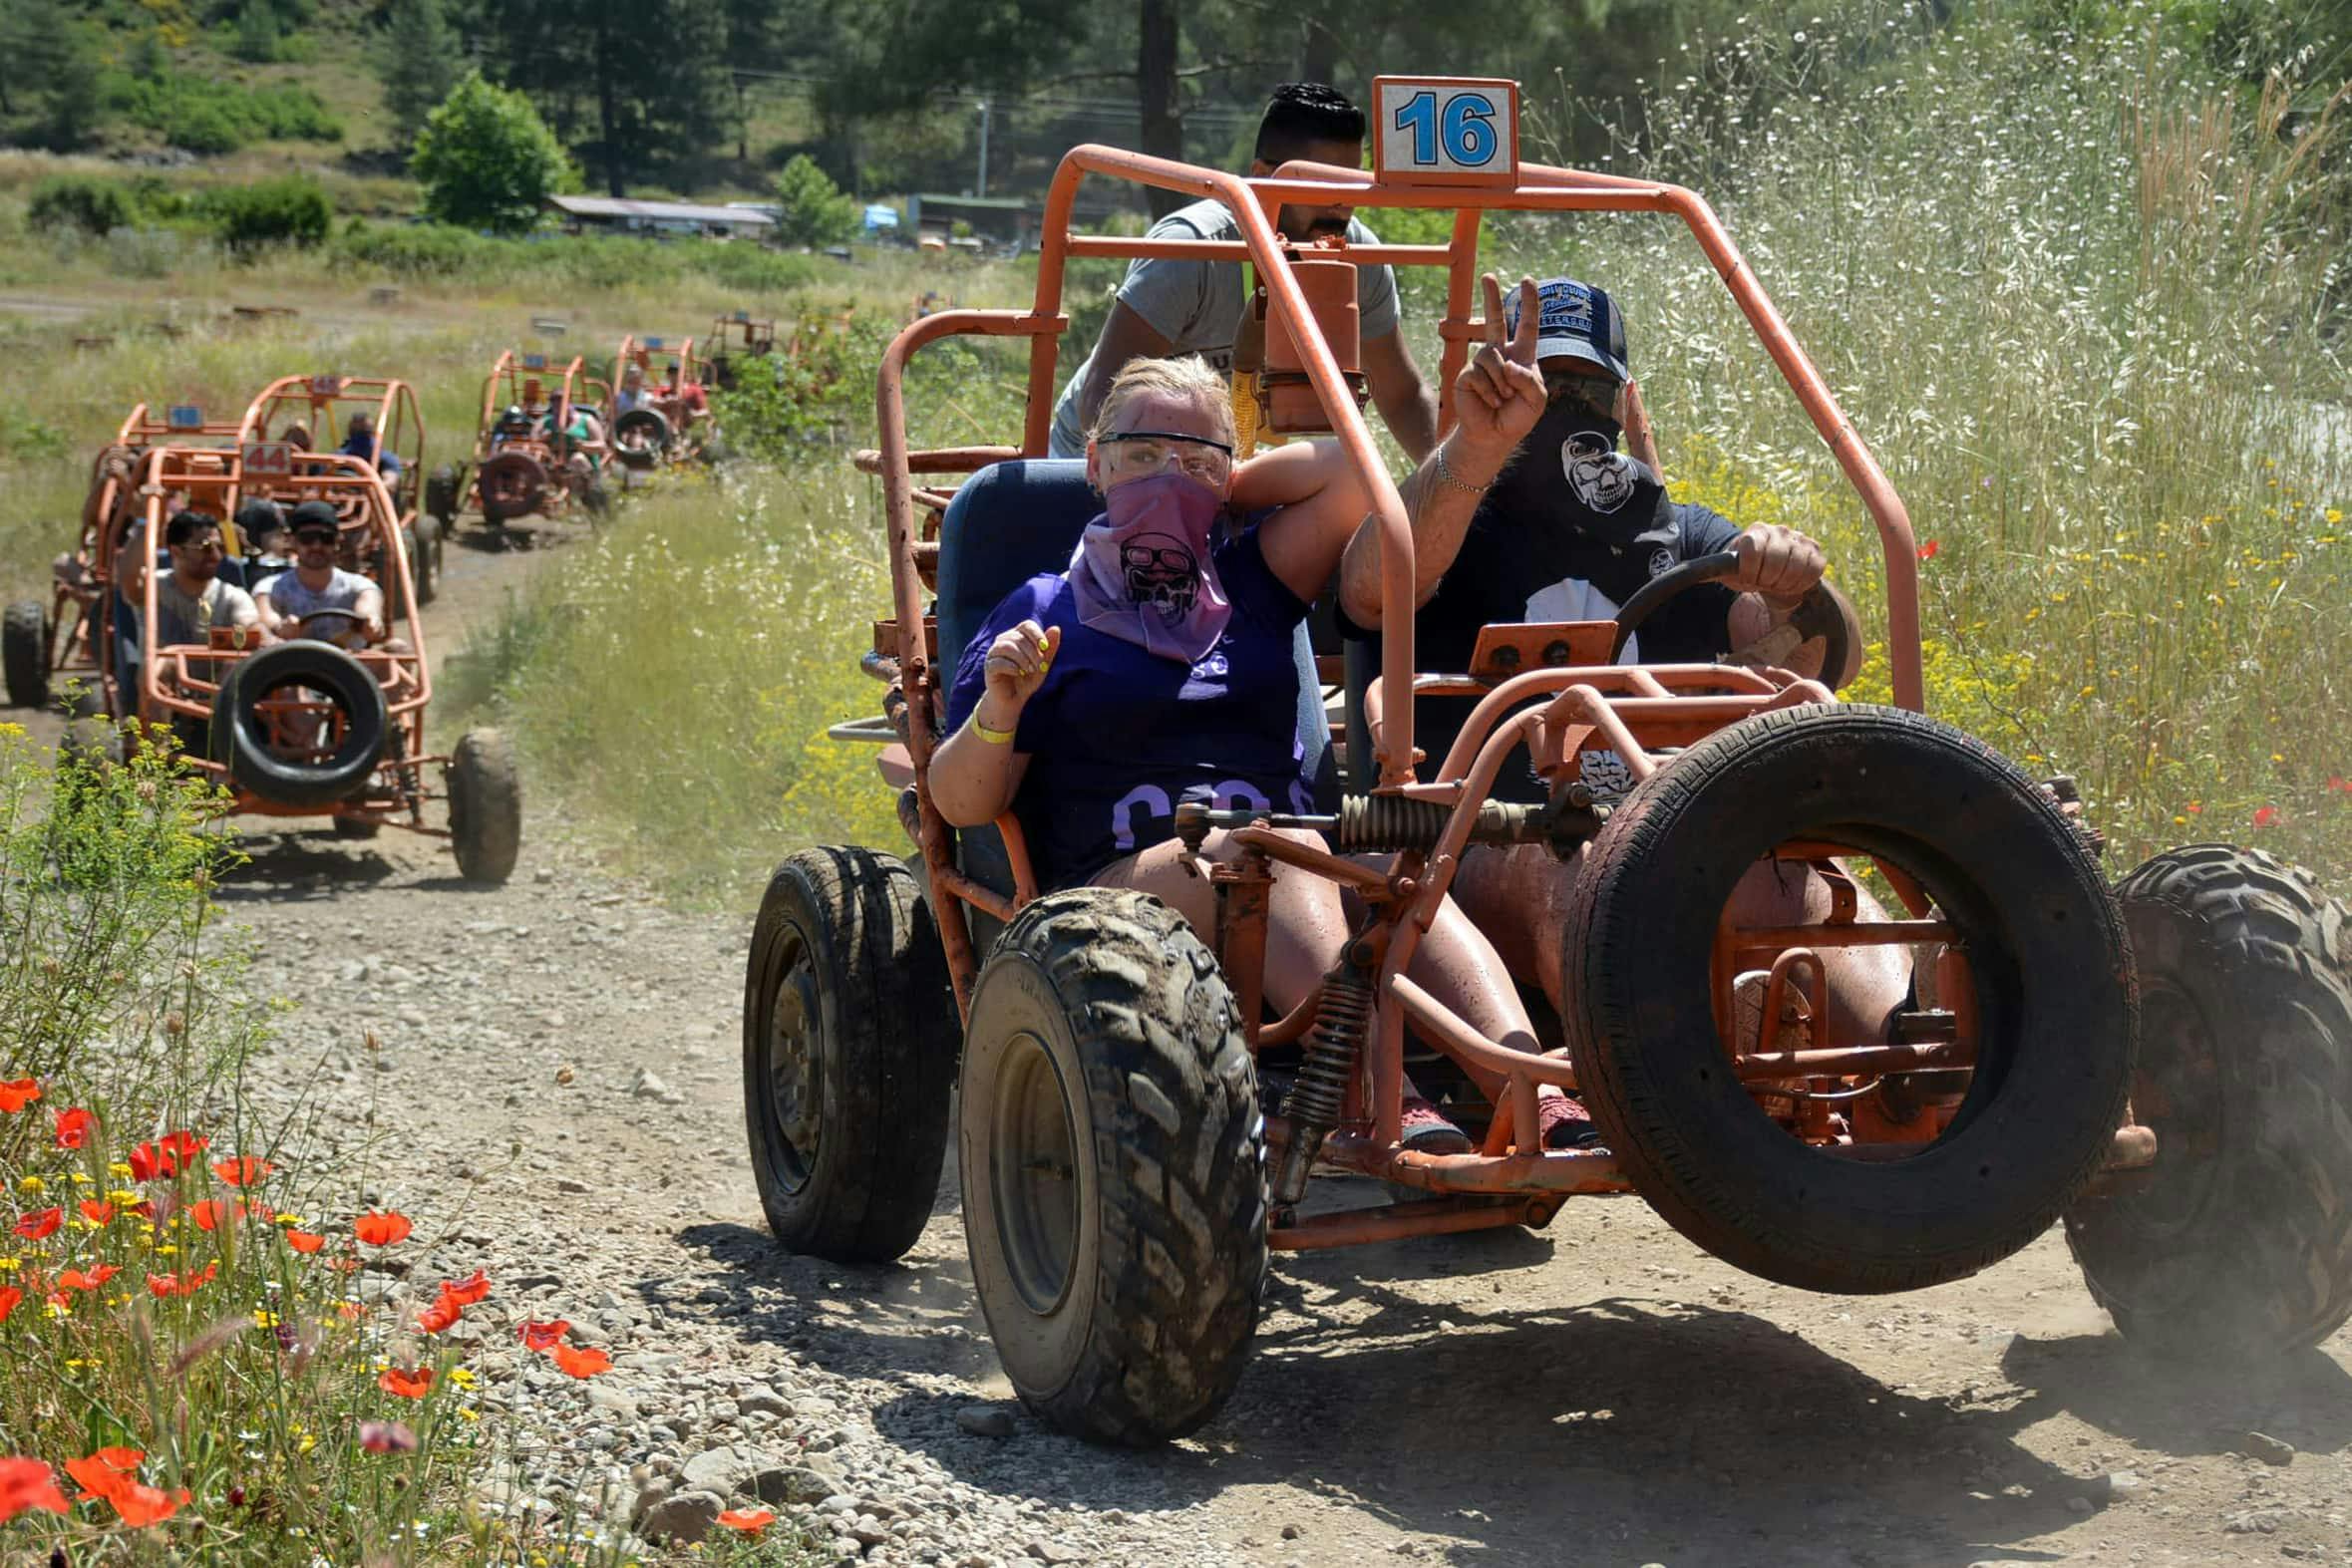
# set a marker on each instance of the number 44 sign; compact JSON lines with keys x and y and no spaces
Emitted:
{"x":1445,"y":130}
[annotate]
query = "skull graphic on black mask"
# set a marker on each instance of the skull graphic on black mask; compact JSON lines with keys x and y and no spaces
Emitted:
{"x":1161,"y":573}
{"x":1603,"y":478}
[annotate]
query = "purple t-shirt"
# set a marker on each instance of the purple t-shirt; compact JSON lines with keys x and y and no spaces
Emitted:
{"x":1118,"y":736}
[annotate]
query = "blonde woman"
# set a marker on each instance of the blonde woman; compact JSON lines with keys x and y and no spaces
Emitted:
{"x":1158,"y":668}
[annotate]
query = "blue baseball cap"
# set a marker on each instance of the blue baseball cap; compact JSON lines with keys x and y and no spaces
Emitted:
{"x":1575,"y":320}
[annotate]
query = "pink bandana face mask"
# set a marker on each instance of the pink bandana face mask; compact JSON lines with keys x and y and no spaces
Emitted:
{"x":1143,"y":571}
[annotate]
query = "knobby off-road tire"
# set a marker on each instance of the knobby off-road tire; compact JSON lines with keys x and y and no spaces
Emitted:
{"x":849,"y":1055}
{"x":240,"y":738}
{"x":2053,"y":989}
{"x":1114,"y":1168}
{"x":510,"y":485}
{"x":423,"y":560}
{"x":24,"y":652}
{"x":2238,"y":1242}
{"x":485,"y":807}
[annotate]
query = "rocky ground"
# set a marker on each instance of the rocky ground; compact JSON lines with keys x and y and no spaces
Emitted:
{"x":547,"y":1075}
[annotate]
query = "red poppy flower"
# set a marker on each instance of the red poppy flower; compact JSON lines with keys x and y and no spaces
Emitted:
{"x":9,"y":1297}
{"x":75,"y":1279}
{"x":303,"y":1241}
{"x":751,"y":1521}
{"x":579,"y":1361}
{"x":101,"y":1472}
{"x":470,"y":1290}
{"x":2267,"y":817}
{"x":382,"y":1228}
{"x":182,"y":1146}
{"x":141,"y":1506}
{"x":206,"y":1214}
{"x":244,"y":1170}
{"x":539,"y":1336}
{"x":146,"y":1165}
{"x":97,"y":1210}
{"x":408,"y":1385}
{"x":1930,"y":550}
{"x":2337,"y":786}
{"x":74,"y":1127}
{"x":181,"y":1284}
{"x":438,"y":1318}
{"x":28,"y":1483}
{"x":18,"y":1094}
{"x":40,"y":1223}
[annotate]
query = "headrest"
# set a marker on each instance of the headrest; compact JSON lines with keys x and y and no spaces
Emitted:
{"x":1006,"y":525}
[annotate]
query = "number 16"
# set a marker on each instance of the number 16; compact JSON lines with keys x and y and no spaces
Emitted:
{"x":1464,"y":128}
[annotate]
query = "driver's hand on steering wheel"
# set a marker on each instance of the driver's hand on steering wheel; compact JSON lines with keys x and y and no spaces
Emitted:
{"x":1778,"y":563}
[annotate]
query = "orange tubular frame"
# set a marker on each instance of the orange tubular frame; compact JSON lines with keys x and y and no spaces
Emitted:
{"x":194,"y":672}
{"x":1640,"y":702}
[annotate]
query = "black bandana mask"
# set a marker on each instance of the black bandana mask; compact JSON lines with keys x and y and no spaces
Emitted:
{"x":1569,"y":473}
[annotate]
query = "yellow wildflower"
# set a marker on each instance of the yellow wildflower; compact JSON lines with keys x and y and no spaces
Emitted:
{"x":32,"y":1184}
{"x":119,"y":1170}
{"x":463,"y":1376}
{"x":265,"y":1319}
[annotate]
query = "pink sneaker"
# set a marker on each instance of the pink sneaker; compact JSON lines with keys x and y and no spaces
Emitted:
{"x":1565,"y":1123}
{"x":1427,"y":1132}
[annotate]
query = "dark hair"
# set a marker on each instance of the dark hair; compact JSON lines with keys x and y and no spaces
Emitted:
{"x":260,"y":517}
{"x":185,"y":525}
{"x":316,"y":514}
{"x":1303,"y":114}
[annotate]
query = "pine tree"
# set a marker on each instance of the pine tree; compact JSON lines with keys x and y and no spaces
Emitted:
{"x":420,"y":61}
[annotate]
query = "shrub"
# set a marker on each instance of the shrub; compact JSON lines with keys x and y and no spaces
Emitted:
{"x":486,"y":159}
{"x":289,"y":210}
{"x":95,"y":206}
{"x":814,"y":211}
{"x":177,"y":1312}
{"x":203,"y":115}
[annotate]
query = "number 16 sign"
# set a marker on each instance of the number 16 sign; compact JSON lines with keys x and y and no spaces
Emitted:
{"x":1445,"y":130}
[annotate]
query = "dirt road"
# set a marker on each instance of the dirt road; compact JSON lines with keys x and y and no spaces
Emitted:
{"x":557,"y":1092}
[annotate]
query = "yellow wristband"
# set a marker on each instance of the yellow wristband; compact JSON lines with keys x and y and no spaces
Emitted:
{"x":992,"y":737}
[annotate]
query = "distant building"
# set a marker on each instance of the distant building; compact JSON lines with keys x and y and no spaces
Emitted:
{"x":1011,"y":219}
{"x":616,"y":215}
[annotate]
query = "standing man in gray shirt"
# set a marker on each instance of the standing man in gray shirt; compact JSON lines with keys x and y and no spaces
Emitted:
{"x":1174,"y":307}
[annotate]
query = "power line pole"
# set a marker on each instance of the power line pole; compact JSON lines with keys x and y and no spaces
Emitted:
{"x":983,"y":190}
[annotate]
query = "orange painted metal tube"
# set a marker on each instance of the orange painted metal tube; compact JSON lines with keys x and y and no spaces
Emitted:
{"x":1355,"y":437}
{"x":1451,"y":1034}
{"x":1238,"y":250}
{"x":1401,"y":1222}
{"x":1557,"y":1171}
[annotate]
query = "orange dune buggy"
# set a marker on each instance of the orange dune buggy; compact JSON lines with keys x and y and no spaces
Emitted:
{"x":522,"y":465}
{"x":739,"y":334}
{"x":322,"y":406}
{"x":2163,"y":1065}
{"x":662,"y":430}
{"x":304,"y":727}
{"x":42,"y":644}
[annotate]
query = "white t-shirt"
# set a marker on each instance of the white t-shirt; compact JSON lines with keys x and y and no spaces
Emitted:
{"x":183,"y":619}
{"x":291,"y":597}
{"x":1196,"y":305}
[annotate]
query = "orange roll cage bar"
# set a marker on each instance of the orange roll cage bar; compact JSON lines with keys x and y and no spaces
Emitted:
{"x":1256,"y":205}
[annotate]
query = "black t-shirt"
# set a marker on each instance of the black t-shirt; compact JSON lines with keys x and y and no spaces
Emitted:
{"x":1513,"y":572}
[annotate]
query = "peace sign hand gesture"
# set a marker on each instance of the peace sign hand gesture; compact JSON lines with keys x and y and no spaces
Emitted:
{"x":1499,"y":396}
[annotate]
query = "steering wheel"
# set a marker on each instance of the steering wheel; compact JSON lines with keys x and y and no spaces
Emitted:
{"x":1817,"y":614}
{"x":351,"y":620}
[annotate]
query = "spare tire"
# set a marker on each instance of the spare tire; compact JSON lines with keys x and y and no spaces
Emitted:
{"x":2053,"y":994}
{"x":640,"y":437}
{"x":511,"y":484}
{"x":240,"y":732}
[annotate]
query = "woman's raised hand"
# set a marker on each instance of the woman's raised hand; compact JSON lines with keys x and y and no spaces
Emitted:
{"x":1016,"y":667}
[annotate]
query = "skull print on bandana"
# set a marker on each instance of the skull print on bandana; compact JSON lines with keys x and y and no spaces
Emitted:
{"x":1608,"y":495}
{"x":1143,"y":571}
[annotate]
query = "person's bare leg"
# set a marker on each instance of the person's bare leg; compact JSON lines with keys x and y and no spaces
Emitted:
{"x":1518,"y":898}
{"x":1306,"y":929}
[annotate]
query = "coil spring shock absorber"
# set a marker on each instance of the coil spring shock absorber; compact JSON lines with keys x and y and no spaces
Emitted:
{"x":1343,"y":1016}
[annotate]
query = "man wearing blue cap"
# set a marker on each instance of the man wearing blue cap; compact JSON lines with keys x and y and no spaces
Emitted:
{"x":1527,"y":511}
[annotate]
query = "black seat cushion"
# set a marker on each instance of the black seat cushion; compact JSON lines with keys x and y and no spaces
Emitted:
{"x":1010,"y":523}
